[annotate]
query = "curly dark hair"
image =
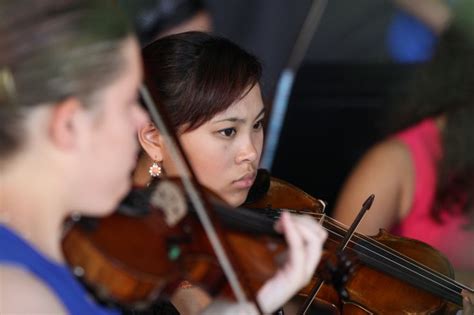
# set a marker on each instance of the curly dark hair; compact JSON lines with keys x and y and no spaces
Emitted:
{"x":444,"y":86}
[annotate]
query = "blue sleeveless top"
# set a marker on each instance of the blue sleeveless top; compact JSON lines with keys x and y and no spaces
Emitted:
{"x":15,"y":251}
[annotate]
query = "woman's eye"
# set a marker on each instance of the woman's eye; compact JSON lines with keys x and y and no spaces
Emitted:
{"x":227,"y":132}
{"x":258,"y":125}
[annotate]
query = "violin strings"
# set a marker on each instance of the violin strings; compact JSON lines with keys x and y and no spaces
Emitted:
{"x":384,"y":248}
{"x":406,"y":266}
{"x":403,"y":257}
{"x":407,"y":260}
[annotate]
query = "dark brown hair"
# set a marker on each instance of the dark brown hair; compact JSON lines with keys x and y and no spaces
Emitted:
{"x":444,"y":85}
{"x":195,"y":75}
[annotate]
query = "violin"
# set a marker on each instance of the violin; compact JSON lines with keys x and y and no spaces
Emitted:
{"x":132,"y":258}
{"x":390,"y":274}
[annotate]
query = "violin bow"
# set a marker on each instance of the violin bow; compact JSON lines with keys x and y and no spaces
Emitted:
{"x":195,"y":196}
{"x":350,"y":232}
{"x":285,"y":83}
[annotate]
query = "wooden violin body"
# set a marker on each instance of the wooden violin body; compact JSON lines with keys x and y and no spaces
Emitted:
{"x":133,"y":260}
{"x":371,"y":288}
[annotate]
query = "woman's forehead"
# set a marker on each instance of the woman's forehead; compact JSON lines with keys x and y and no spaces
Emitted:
{"x":250,"y":104}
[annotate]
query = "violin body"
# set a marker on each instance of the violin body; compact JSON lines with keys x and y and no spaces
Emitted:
{"x":370,"y":290}
{"x":134,"y":260}
{"x":373,"y":291}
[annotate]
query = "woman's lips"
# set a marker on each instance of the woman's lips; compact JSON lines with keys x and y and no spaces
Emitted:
{"x":245,"y":181}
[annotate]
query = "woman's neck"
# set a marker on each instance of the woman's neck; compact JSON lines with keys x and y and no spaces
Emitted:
{"x":141,"y":177}
{"x":32,"y":207}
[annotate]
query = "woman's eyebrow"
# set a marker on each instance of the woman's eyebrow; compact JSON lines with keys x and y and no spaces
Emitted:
{"x":238,"y":119}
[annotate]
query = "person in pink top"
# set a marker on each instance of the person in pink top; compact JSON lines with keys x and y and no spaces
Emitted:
{"x":423,"y":176}
{"x":444,"y":232}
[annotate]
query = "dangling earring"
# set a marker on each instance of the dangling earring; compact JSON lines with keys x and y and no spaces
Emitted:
{"x":75,"y":216}
{"x":155,"y":169}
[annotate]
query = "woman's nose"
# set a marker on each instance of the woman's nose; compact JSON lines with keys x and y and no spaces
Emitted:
{"x":248,"y":152}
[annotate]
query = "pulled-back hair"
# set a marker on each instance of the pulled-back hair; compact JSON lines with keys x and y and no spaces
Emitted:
{"x":51,"y":50}
{"x":195,"y":75}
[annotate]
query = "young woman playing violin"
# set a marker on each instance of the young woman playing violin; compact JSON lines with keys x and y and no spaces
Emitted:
{"x":215,"y":105}
{"x":209,"y":87}
{"x":68,"y":144}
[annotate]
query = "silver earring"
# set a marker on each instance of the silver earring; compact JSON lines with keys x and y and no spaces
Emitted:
{"x":155,"y":169}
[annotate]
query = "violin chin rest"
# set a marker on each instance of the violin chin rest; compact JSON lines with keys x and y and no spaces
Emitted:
{"x":260,"y":187}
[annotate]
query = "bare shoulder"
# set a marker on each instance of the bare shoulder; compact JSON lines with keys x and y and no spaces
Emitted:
{"x":391,"y":152}
{"x":393,"y":161}
{"x":386,"y":171}
{"x":389,"y":165}
{"x":387,"y":162}
{"x":23,"y":293}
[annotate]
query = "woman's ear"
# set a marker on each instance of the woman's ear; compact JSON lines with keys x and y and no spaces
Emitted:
{"x":66,"y":122}
{"x":151,"y":141}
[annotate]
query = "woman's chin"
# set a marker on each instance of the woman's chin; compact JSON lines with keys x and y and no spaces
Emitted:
{"x":236,"y":200}
{"x":106,"y":206}
{"x":100,"y":210}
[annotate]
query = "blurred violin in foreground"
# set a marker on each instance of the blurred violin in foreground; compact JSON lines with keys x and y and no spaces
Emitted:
{"x":143,"y":252}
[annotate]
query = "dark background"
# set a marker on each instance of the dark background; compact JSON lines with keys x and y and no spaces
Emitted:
{"x":342,"y":92}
